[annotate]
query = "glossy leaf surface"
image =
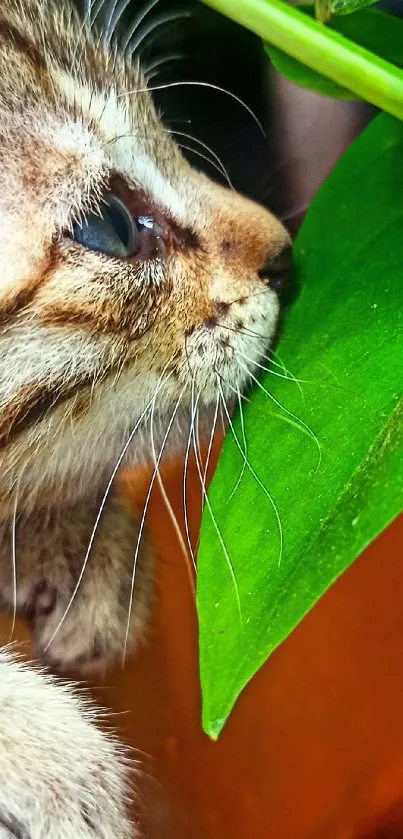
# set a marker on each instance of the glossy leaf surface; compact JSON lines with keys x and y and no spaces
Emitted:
{"x":334,"y":487}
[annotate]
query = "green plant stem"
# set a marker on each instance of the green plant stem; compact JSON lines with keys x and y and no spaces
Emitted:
{"x":324,"y":50}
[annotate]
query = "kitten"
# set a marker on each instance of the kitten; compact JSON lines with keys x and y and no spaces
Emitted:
{"x":130,"y":287}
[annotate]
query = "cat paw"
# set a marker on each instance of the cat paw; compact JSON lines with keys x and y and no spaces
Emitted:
{"x":61,"y":776}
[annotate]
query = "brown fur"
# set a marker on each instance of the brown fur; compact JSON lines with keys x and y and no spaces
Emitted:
{"x":88,"y":341}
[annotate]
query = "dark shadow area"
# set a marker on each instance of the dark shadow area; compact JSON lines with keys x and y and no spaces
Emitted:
{"x":387,"y":826}
{"x":206,"y":47}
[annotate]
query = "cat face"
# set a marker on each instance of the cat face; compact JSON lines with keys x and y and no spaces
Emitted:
{"x":125,"y":274}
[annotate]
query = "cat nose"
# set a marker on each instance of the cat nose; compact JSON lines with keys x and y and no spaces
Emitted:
{"x":276,"y":271}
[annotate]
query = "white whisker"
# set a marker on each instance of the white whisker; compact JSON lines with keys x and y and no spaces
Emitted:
{"x":297,"y":420}
{"x":14,"y":562}
{"x":207,"y":159}
{"x":159,"y":62}
{"x":177,"y":528}
{"x":209,"y":450}
{"x":297,"y":212}
{"x":210,"y":445}
{"x":160,"y":383}
{"x":132,"y":48}
{"x":246,"y":331}
{"x":223,"y":425}
{"x":245,"y":447}
{"x":135,"y":23}
{"x":207,"y":148}
{"x":185,"y":475}
{"x":106,"y":38}
{"x":85,"y":25}
{"x":143,"y":517}
{"x":256,"y":476}
{"x":218,"y":532}
{"x":171,"y":513}
{"x":269,"y":370}
{"x":227,"y":383}
{"x":287,"y":372}
{"x":87,"y":5}
{"x":281,"y":366}
{"x":95,"y":10}
{"x":199,"y":84}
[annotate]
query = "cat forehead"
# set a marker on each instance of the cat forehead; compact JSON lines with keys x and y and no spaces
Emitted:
{"x":135,"y":145}
{"x":84,"y":104}
{"x":77,"y":117}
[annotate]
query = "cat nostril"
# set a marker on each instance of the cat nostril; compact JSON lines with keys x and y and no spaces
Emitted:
{"x":276,"y":272}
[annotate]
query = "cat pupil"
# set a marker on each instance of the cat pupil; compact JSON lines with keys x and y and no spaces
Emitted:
{"x":115,"y":233}
{"x":119,"y":223}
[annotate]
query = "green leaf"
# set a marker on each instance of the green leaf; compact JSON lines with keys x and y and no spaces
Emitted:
{"x":343,"y":341}
{"x":377,"y":31}
{"x":346,"y":7}
{"x":321,"y":48}
{"x":325,"y":9}
{"x":303,"y":76}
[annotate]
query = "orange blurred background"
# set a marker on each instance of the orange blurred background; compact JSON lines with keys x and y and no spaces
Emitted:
{"x":314,"y":747}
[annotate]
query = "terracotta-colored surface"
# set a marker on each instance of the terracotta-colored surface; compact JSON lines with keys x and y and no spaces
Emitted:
{"x":314,"y":748}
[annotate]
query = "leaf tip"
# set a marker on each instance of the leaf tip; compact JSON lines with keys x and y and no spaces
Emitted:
{"x":213,"y":728}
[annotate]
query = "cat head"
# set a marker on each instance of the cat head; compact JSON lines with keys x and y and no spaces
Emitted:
{"x":125,"y":273}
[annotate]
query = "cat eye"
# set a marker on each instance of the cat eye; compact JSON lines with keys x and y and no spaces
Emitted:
{"x":116,"y":233}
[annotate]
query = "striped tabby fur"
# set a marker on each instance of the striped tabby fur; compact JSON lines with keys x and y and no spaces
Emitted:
{"x":90,"y":346}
